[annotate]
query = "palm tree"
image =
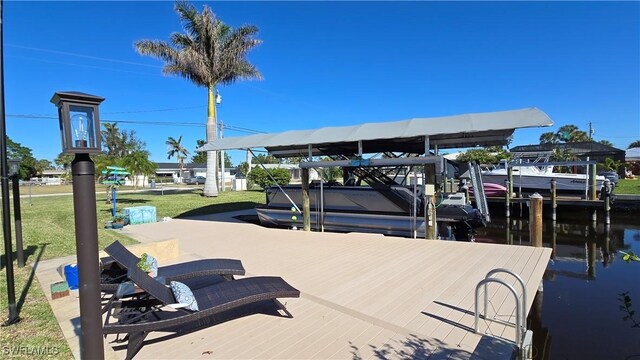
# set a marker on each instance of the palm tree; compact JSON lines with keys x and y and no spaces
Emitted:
{"x":138,"y":163}
{"x":548,"y":137}
{"x":175,"y":148}
{"x":210,"y":53}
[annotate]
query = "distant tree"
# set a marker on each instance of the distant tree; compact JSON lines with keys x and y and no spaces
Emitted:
{"x":210,"y":53}
{"x":484,"y":156}
{"x":199,"y":157}
{"x":606,"y":142}
{"x":27,"y":161}
{"x":243,"y":167}
{"x":138,"y":163}
{"x":610,"y":165}
{"x":634,"y":144}
{"x":333,"y":173}
{"x":548,"y":138}
{"x":227,"y":161}
{"x":176,"y":149}
{"x":42,"y":165}
{"x":565,"y":134}
{"x":265,"y":159}
{"x":260,"y":177}
{"x":63,"y":161}
{"x":118,"y":143}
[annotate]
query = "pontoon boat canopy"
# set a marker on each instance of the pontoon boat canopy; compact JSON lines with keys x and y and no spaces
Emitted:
{"x":410,"y":136}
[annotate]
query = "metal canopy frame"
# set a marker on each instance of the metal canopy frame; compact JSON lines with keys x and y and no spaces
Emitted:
{"x":407,"y":136}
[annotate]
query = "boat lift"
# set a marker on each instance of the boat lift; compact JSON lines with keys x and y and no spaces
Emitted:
{"x":347,"y":146}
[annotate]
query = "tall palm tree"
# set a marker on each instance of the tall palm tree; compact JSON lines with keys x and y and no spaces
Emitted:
{"x":209,"y":53}
{"x":175,"y":148}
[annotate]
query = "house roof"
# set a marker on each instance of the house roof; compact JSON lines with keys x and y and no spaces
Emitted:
{"x":485,"y":129}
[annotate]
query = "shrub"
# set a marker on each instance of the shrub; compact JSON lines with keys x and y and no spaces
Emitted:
{"x":260,"y":177}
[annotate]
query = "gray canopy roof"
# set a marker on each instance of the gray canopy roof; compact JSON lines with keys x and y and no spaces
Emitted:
{"x":633,"y":154}
{"x":467,"y":130}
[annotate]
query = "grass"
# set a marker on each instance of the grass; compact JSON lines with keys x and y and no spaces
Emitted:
{"x":48,"y":232}
{"x":628,"y":186}
{"x":68,"y":188}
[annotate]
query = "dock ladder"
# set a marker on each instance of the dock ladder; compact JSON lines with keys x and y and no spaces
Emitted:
{"x":523,"y":336}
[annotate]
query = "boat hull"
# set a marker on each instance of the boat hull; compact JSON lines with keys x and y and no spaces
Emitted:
{"x":567,"y":183}
{"x":363,"y":209}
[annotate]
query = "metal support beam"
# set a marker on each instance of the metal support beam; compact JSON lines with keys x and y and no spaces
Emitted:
{"x":412,"y":161}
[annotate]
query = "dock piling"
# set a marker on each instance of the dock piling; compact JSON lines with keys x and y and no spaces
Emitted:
{"x":554,"y":202}
{"x":535,"y":220}
{"x":306,"y":205}
{"x":607,"y":201}
{"x":507,"y":200}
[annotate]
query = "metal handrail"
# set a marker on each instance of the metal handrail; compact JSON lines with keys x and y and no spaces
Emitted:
{"x":518,"y":310}
{"x":524,"y":290}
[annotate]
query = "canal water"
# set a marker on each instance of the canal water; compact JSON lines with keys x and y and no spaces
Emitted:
{"x":582,"y":312}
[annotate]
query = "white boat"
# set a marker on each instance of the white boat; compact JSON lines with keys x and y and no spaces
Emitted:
{"x":538,"y":178}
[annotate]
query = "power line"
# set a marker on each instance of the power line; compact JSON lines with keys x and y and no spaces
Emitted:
{"x":83,"y":56}
{"x":139,"y":122}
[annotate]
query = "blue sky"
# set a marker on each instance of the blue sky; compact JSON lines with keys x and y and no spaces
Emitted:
{"x":331,"y":64}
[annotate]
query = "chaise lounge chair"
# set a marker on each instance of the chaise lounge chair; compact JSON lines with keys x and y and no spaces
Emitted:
{"x":115,"y":271}
{"x":158,"y":312}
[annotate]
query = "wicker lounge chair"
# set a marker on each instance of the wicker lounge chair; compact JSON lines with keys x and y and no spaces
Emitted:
{"x":115,"y":268}
{"x":137,"y":318}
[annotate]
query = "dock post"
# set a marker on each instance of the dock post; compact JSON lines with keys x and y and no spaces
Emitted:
{"x":554,"y":202}
{"x":607,"y":201}
{"x":510,"y":180}
{"x":592,"y":183}
{"x":507,"y":200}
{"x":306,"y":205}
{"x":431,"y":224}
{"x":554,"y":241}
{"x":535,"y":220}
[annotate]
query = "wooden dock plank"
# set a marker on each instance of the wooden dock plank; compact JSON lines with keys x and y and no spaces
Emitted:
{"x":362,"y":294}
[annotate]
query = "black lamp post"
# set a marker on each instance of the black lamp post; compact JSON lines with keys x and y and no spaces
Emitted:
{"x":4,"y":189}
{"x":14,"y":174}
{"x":80,"y":132}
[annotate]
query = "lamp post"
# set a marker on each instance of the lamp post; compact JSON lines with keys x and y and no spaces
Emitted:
{"x":80,"y":133}
{"x":14,"y":174}
{"x":4,"y":189}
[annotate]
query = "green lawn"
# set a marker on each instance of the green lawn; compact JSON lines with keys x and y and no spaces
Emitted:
{"x":628,"y":186}
{"x":48,"y":232}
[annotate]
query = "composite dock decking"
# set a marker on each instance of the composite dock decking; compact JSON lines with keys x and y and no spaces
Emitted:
{"x":363,"y":295}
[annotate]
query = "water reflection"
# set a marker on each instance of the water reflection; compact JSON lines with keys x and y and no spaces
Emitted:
{"x":581,"y":311}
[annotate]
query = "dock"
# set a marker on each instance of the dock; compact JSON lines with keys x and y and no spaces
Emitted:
{"x":362,"y":295}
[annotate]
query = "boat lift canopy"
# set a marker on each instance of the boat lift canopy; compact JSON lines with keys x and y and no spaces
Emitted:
{"x":408,"y":136}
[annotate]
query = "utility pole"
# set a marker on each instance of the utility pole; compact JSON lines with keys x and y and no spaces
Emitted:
{"x":591,"y":131}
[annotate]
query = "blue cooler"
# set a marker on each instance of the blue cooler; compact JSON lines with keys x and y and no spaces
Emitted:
{"x":71,"y":274}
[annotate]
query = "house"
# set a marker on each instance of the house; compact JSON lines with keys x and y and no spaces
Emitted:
{"x":169,"y":172}
{"x":50,"y":177}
